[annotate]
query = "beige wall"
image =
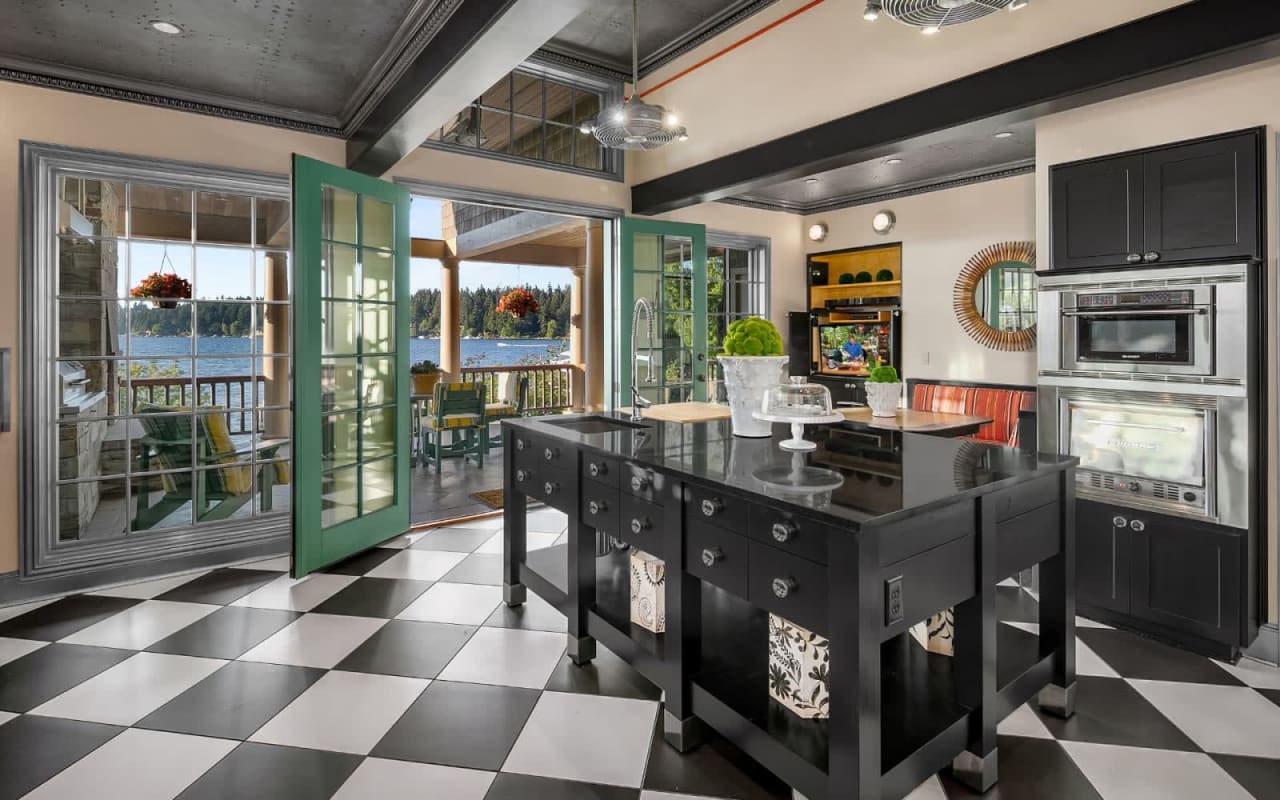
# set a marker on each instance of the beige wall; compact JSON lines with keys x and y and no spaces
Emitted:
{"x":1228,"y":101}
{"x":41,"y":115}
{"x":828,"y":62}
{"x":939,"y":232}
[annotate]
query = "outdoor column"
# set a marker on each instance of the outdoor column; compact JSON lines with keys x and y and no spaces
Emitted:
{"x":592,"y":310}
{"x":577,"y":391}
{"x":450,"y":302}
{"x":275,"y":339}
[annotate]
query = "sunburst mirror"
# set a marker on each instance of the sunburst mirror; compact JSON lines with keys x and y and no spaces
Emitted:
{"x":995,"y":296}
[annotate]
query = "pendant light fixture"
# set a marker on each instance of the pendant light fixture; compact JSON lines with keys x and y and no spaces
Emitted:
{"x":633,"y":124}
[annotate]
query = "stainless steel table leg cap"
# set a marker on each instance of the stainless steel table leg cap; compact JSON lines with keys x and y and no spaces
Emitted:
{"x":581,"y":649}
{"x":1058,"y":700}
{"x":514,"y":594}
{"x":979,"y":773}
{"x":683,"y":734}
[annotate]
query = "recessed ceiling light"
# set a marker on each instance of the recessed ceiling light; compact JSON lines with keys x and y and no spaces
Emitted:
{"x":872,"y":12}
{"x":1004,"y":135}
{"x":892,"y":161}
{"x":817,"y":231}
{"x":811,"y":181}
{"x":930,"y":30}
{"x":1019,"y":4}
{"x":165,"y":27}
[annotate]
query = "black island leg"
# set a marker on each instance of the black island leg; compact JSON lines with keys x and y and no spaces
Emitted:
{"x":1058,"y":608}
{"x":514,"y":527}
{"x":854,"y":583}
{"x":975,"y":663}
{"x":581,"y":595}
{"x":680,"y":728}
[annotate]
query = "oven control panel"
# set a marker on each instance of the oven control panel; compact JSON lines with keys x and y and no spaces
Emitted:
{"x":1156,"y":494}
{"x":1135,"y":299}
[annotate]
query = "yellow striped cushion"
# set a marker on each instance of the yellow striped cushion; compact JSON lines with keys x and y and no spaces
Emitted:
{"x":454,"y":421}
{"x":499,"y":410}
{"x":235,"y":480}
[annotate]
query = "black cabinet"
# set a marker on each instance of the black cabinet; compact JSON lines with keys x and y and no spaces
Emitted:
{"x":1184,"y":576}
{"x":1197,"y":201}
{"x":1187,"y":576}
{"x":1102,"y":556}
{"x":843,"y":390}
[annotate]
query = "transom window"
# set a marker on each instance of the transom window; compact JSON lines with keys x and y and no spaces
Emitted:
{"x":532,"y":117}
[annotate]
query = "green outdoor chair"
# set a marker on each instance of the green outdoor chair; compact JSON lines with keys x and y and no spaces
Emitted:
{"x":458,"y":412}
{"x":510,"y":400}
{"x":221,"y":482}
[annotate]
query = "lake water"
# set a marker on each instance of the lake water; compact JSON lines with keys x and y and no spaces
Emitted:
{"x":226,"y":355}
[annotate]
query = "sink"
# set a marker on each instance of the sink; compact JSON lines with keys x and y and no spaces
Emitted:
{"x":595,"y":423}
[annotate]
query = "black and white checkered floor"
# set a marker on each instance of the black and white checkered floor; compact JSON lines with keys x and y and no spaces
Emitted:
{"x":399,"y":674}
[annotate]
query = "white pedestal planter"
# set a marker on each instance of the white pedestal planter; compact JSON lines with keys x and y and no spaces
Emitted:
{"x":745,"y":379}
{"x":799,"y":660}
{"x":648,"y":591}
{"x":884,"y":398}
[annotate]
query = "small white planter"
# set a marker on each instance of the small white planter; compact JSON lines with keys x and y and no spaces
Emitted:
{"x":884,"y":398}
{"x":746,"y":378}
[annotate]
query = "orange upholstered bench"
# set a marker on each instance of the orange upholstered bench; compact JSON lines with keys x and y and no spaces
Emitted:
{"x":1001,"y":403}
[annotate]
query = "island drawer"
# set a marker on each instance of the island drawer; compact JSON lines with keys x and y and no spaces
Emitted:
{"x":540,"y":453}
{"x":926,"y":531}
{"x":639,"y":523}
{"x":640,"y":481}
{"x":1026,"y":497}
{"x":711,"y":505}
{"x":557,"y":488}
{"x":601,"y":469}
{"x":600,"y":506}
{"x":719,"y":557}
{"x":792,"y":587}
{"x":789,"y":533}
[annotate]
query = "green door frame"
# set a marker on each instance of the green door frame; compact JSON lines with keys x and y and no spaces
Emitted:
{"x":697,"y":234}
{"x":315,"y":546}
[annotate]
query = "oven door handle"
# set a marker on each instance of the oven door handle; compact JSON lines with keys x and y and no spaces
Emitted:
{"x":1182,"y":312}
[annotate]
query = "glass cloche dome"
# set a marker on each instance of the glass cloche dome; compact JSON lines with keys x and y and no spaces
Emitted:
{"x":799,"y":398}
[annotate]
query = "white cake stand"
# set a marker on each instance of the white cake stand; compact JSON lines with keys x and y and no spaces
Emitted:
{"x":797,"y":422}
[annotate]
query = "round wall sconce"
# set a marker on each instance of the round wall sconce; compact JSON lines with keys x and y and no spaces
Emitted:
{"x":883,"y":221}
{"x":817,"y":231}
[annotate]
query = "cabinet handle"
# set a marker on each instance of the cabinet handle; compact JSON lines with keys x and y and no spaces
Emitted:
{"x":638,"y":483}
{"x":550,"y":488}
{"x":597,"y":507}
{"x":711,"y":556}
{"x":640,"y":525}
{"x":520,"y":445}
{"x":783,"y":587}
{"x":551,"y":453}
{"x":1137,"y":526}
{"x":1120,"y":522}
{"x":521,"y":476}
{"x":598,"y":469}
{"x":1134,"y":258}
{"x":1151,"y":256}
{"x":712,"y":506}
{"x":783,"y":531}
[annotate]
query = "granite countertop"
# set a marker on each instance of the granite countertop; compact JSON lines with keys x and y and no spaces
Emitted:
{"x":881,"y":474}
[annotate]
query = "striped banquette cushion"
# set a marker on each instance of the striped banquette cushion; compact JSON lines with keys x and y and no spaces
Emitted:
{"x":1000,"y":404}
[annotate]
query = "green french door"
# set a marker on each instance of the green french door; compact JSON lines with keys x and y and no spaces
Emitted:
{"x":664,"y":263}
{"x":351,"y":363}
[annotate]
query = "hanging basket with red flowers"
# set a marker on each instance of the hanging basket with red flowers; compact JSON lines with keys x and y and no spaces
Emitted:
{"x":517,"y":303}
{"x":164,"y":288}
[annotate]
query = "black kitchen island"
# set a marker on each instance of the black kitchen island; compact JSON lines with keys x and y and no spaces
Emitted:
{"x":855,"y":541}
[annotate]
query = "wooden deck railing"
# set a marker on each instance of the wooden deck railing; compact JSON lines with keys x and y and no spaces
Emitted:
{"x":550,"y":385}
{"x":233,"y":392}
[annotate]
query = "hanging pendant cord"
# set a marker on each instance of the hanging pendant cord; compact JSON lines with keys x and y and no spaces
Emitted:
{"x":635,"y":49}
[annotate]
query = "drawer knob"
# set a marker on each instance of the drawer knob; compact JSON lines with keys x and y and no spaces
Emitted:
{"x":784,"y":531}
{"x":1120,"y":522}
{"x":597,"y":507}
{"x":783,"y":587}
{"x":551,"y":453}
{"x":1134,"y":258}
{"x":1137,"y":526}
{"x":597,"y":469}
{"x":520,"y":444}
{"x":712,"y":506}
{"x":711,"y":556}
{"x":640,"y":524}
{"x":550,"y":488}
{"x":639,"y":483}
{"x":522,"y":476}
{"x":1151,"y":256}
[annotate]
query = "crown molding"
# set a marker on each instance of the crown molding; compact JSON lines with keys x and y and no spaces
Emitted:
{"x":565,"y":59}
{"x":1024,"y":167}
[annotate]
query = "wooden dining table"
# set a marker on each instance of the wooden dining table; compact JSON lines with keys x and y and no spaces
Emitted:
{"x":910,"y":420}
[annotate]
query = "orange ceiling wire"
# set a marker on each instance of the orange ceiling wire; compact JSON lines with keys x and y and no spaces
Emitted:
{"x":733,"y":46}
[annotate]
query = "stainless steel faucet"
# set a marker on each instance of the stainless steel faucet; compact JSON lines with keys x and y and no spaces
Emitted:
{"x":639,"y":403}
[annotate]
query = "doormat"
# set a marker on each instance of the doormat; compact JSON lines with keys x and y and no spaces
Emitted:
{"x":493,"y":498}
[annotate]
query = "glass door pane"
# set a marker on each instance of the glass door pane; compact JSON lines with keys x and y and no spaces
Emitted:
{"x":352,"y":248}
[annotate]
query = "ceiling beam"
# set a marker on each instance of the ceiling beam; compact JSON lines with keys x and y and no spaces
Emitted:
{"x":534,"y":255}
{"x":480,"y":42}
{"x":1185,"y":42}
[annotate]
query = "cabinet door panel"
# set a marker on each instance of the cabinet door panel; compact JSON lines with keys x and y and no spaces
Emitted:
{"x":1102,"y":556}
{"x":1097,"y":213}
{"x":1202,"y":200}
{"x":1188,"y":576}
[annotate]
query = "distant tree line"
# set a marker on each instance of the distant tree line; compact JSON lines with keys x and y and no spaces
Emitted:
{"x":213,"y":318}
{"x":478,"y":318}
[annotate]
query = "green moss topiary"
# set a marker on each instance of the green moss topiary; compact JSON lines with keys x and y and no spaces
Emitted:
{"x":883,"y":374}
{"x":862,"y":277}
{"x":845,"y":278}
{"x":753,"y":336}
